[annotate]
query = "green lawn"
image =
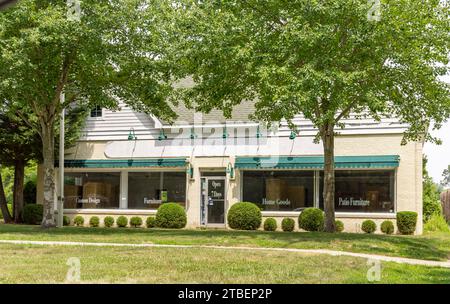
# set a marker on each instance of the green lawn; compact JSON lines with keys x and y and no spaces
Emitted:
{"x":47,"y":264}
{"x":430,"y":247}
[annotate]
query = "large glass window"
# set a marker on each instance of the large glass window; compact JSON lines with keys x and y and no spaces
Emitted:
{"x":91,"y":190}
{"x":363,"y":191}
{"x":148,"y":190}
{"x":279,"y":190}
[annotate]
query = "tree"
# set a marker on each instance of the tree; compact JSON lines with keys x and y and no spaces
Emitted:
{"x":446,"y":177}
{"x":430,"y":194}
{"x":104,"y":52}
{"x":322,"y":59}
{"x":19,"y":144}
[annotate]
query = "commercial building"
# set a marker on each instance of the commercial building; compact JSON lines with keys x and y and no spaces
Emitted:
{"x":129,"y":163}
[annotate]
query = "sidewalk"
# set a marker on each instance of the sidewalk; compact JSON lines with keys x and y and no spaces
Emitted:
{"x":305,"y":251}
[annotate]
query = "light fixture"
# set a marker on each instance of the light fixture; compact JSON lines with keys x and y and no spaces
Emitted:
{"x":293,"y":135}
{"x":132,"y":135}
{"x":162,"y":135}
{"x":225,"y":134}
{"x":258,"y":133}
{"x":190,"y":171}
{"x":230,"y":171}
{"x":193,"y":135}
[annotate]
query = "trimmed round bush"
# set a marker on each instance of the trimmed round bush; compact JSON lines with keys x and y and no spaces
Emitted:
{"x":32,"y":214}
{"x":311,"y":219}
{"x":339,"y":226}
{"x":387,"y":227}
{"x":406,"y":222}
{"x":136,"y":221}
{"x":270,"y":224}
{"x":150,"y":222}
{"x":66,"y":220}
{"x":288,"y":224}
{"x":108,"y":221}
{"x":122,"y":221}
{"x":244,"y":216}
{"x":171,"y":215}
{"x":78,"y":220}
{"x":94,"y":221}
{"x":369,"y":226}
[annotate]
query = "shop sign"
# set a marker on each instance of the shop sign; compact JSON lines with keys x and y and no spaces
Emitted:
{"x":90,"y":200}
{"x":152,"y":201}
{"x":277,"y":202}
{"x":353,"y":202}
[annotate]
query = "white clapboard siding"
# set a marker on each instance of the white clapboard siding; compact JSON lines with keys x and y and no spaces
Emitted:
{"x":116,"y":125}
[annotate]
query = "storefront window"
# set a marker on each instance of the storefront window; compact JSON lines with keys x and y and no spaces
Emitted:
{"x":91,"y":190}
{"x":148,"y":190}
{"x":363,"y":191}
{"x":279,"y":190}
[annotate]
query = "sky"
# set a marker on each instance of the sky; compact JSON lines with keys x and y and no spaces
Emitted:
{"x":439,"y":155}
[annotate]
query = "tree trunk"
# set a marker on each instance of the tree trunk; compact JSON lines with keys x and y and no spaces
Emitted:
{"x":19,"y":171}
{"x":48,"y":145}
{"x":3,"y":204}
{"x":329,"y":181}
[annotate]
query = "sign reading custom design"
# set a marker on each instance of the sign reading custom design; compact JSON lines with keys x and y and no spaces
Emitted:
{"x":89,"y":200}
{"x":353,"y":202}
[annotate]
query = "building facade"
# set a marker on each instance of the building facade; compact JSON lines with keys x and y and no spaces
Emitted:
{"x":129,"y":163}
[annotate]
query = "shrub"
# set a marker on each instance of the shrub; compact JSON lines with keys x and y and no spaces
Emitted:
{"x":387,"y":227}
{"x":288,"y":224}
{"x":430,"y":207}
{"x":270,"y":224}
{"x":66,"y":220}
{"x":136,"y":221}
{"x":311,"y":219}
{"x":94,"y":221}
{"x":122,"y":221}
{"x":244,"y":216}
{"x":108,"y":221}
{"x":406,"y":222}
{"x":32,"y":214}
{"x":369,"y":226}
{"x":339,"y":226}
{"x":171,"y":215}
{"x":436,"y":223}
{"x":78,"y":220}
{"x":150,"y":222}
{"x":29,"y":192}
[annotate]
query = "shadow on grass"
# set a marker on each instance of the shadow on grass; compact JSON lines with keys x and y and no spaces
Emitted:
{"x":419,"y":247}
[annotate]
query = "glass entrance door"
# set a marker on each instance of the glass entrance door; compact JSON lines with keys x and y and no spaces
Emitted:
{"x":213,"y":200}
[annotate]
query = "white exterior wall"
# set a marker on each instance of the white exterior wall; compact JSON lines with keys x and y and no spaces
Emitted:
{"x":106,"y":137}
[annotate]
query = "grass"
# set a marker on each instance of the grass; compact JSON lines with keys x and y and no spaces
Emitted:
{"x":433,"y":246}
{"x":47,"y":264}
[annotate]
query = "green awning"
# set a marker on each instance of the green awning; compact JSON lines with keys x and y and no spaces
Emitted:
{"x":126,"y":163}
{"x":317,"y":162}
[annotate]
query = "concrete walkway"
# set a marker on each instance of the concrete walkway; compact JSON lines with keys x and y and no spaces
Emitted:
{"x":305,"y":251}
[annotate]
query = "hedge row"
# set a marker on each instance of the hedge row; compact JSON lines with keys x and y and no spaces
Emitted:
{"x":169,"y":215}
{"x":241,"y":216}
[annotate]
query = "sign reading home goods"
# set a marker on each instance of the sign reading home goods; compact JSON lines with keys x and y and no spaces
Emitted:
{"x":353,"y":202}
{"x":277,"y":202}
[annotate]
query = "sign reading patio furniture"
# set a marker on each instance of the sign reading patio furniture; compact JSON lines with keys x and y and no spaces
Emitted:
{"x":353,"y":202}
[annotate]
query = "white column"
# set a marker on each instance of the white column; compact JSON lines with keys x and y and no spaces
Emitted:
{"x":123,"y":190}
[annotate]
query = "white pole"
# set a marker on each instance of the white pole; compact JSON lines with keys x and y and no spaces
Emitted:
{"x":61,"y":165}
